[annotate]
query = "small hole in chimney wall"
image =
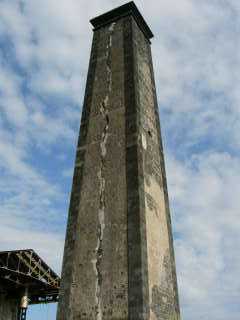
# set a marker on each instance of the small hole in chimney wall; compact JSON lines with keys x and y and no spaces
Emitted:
{"x":150,"y":133}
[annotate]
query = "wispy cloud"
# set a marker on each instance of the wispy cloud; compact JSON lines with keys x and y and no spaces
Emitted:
{"x":205,"y":204}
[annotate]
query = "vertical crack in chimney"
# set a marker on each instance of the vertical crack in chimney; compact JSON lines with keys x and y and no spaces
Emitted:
{"x":101,"y":211}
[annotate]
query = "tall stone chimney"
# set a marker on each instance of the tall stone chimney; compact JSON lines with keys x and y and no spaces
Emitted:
{"x":118,"y":257}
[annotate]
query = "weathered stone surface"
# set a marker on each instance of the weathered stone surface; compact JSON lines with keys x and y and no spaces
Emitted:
{"x":118,"y":258}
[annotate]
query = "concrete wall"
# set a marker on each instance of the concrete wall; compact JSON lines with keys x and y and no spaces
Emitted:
{"x":118,"y":258}
{"x":97,"y":215}
{"x":162,"y":285}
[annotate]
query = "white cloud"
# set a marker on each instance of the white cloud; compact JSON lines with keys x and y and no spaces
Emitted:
{"x":47,"y":245}
{"x":204,"y":196}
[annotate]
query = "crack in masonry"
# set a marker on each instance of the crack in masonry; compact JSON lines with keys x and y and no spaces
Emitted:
{"x":101,"y":212}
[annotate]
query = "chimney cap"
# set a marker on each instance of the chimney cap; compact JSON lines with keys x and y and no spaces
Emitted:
{"x":125,"y":10}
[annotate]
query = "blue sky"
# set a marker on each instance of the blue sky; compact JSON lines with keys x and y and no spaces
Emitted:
{"x":44,"y":51}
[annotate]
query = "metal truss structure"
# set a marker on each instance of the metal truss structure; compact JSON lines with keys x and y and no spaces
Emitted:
{"x":24,"y":271}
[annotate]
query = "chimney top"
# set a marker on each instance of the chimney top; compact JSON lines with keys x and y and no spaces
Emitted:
{"x":125,"y":10}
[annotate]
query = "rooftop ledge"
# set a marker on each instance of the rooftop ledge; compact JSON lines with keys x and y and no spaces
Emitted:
{"x":125,"y":10}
